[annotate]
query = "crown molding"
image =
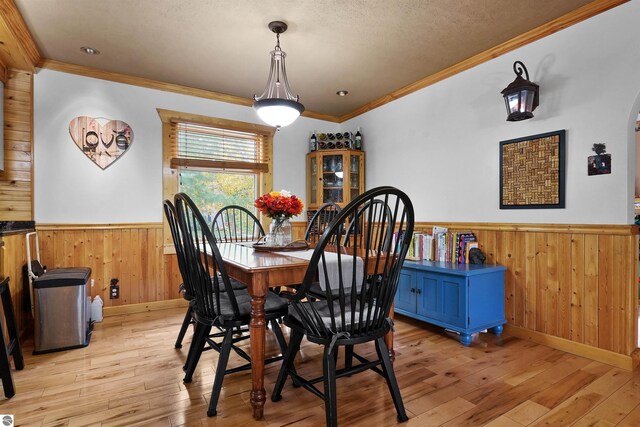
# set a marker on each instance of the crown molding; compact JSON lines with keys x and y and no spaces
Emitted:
{"x":81,"y":70}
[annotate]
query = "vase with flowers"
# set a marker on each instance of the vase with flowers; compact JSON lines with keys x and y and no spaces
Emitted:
{"x":280,"y":206}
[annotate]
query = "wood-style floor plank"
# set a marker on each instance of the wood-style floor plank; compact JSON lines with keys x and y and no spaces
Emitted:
{"x":131,"y":375}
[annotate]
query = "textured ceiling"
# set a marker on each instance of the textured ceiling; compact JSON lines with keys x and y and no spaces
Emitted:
{"x":368,"y":47}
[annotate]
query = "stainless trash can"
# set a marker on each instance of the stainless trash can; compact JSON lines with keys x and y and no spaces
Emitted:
{"x":61,"y":310}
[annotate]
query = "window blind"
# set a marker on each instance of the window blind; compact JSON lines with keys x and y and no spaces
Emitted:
{"x":205,"y":146}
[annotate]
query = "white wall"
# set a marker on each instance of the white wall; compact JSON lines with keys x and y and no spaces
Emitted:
{"x":69,"y":188}
{"x":441,"y":144}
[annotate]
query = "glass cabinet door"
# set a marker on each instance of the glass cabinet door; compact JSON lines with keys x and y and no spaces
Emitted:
{"x":332,"y":179}
{"x":313,"y":184}
{"x":354,"y":176}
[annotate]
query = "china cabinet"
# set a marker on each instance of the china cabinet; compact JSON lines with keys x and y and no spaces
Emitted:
{"x":334,"y":176}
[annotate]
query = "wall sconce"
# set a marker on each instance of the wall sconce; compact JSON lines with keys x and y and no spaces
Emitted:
{"x":521,"y":96}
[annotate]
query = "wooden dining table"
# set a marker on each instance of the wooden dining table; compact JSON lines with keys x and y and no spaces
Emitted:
{"x":261,"y":270}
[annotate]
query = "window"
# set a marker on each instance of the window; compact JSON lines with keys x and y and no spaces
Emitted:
{"x":216,"y":162}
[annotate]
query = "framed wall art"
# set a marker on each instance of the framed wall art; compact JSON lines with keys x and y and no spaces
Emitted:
{"x":532,"y":172}
{"x":102,"y":140}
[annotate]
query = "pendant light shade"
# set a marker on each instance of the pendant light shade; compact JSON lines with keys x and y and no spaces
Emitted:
{"x":521,"y":96}
{"x":277,"y":106}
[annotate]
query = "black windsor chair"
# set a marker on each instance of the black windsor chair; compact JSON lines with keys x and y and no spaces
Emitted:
{"x":319,"y":222}
{"x":236,"y":224}
{"x":185,"y":287}
{"x":217,"y":304}
{"x":352,"y":317}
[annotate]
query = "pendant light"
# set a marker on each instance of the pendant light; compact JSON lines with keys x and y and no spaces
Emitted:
{"x":521,"y":96}
{"x":277,"y":106}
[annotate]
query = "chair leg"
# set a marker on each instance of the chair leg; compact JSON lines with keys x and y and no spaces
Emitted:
{"x":392,"y":382}
{"x":348,"y":356}
{"x":330,"y":400}
{"x":287,"y":364}
{"x":195,"y":351}
{"x":5,"y":368}
{"x":223,"y":358}
{"x":196,"y":331}
{"x":183,"y":329}
{"x":279,"y":336}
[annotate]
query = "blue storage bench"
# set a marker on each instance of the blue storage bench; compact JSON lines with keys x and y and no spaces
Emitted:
{"x":466,"y":298}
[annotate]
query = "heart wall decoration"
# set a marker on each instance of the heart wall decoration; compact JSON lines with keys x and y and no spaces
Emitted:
{"x":102,"y":140}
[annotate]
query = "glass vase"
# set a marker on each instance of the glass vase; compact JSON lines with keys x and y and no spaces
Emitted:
{"x":279,"y":231}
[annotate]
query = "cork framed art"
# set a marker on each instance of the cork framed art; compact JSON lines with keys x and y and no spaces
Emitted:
{"x":532,"y":174}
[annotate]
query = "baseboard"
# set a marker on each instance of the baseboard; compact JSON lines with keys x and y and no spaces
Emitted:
{"x":605,"y":356}
{"x":145,"y":306}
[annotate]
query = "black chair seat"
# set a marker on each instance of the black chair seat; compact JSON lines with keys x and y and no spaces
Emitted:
{"x":321,"y":309}
{"x":274,"y":306}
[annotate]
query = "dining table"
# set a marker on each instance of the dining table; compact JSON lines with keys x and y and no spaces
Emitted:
{"x":261,"y":270}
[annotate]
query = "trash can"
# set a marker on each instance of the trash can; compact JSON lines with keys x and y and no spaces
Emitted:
{"x":62,"y":311}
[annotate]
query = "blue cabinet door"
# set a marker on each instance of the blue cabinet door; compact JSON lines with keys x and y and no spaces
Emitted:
{"x":429,"y":288}
{"x":442,"y":297}
{"x":406,"y":295}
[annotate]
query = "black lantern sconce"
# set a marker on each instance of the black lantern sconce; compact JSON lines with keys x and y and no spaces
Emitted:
{"x":521,"y":96}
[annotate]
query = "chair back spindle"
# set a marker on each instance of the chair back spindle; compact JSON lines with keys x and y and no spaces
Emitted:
{"x":236,"y":224}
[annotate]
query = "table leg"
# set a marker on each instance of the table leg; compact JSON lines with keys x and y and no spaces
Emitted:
{"x":258,"y":290}
{"x":388,"y":339}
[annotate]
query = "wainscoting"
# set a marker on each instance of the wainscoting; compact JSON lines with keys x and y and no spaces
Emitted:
{"x":572,"y":287}
{"x":132,"y":253}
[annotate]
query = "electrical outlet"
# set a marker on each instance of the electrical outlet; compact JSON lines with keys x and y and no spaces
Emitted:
{"x":114,"y":289}
{"x":93,"y":282}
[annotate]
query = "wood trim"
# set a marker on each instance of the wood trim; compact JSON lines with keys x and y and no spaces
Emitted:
{"x":218,"y":164}
{"x":22,"y":51}
{"x":170,"y":116}
{"x":585,"y":12}
{"x":140,"y":225}
{"x":95,"y":73}
{"x":118,"y":310}
{"x":3,"y":72}
{"x":605,"y":356}
{"x":618,"y":230}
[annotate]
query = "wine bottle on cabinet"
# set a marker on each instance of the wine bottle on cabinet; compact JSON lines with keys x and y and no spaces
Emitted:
{"x":358,"y":141}
{"x":313,"y":142}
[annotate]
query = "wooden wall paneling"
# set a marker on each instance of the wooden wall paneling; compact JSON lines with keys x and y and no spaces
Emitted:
{"x":620,"y":263}
{"x":132,"y":254}
{"x":126,"y":268}
{"x":97,"y":262}
{"x":605,"y":292}
{"x":505,"y":247}
{"x":551,"y":312}
{"x":145,"y":291}
{"x":16,"y":182}
{"x":577,"y":287}
{"x":530,"y":281}
{"x":633,"y":297}
{"x":520,"y":289}
{"x":14,"y":256}
{"x":107,"y":253}
{"x":173,"y":277}
{"x":590,"y":307}
{"x":564,"y":263}
{"x":542,"y":281}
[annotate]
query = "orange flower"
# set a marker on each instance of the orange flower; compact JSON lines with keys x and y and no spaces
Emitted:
{"x":279,"y":204}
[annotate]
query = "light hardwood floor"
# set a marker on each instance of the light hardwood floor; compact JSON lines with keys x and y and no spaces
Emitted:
{"x":131,"y":375}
